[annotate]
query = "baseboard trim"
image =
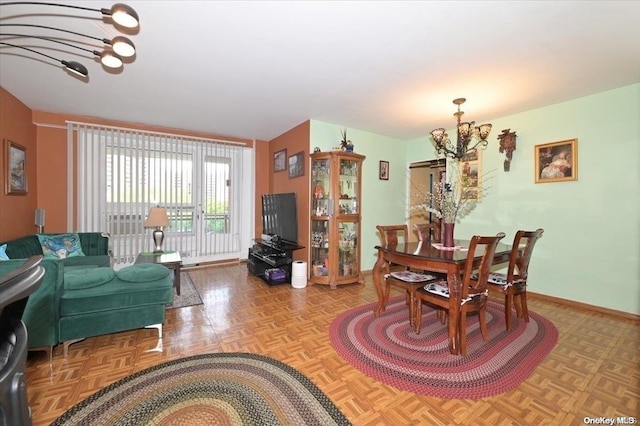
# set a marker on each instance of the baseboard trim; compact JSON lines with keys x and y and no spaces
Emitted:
{"x":576,"y":305}
{"x":582,"y":306}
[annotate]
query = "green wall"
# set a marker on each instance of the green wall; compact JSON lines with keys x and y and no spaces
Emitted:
{"x":590,"y":250}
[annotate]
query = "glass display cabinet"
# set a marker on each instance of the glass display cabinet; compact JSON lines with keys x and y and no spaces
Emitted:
{"x":335,"y":218}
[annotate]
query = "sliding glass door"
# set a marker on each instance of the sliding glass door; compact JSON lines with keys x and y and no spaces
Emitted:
{"x":122,"y":174}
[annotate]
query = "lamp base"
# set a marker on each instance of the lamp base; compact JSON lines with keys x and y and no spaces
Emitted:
{"x":158,"y":238}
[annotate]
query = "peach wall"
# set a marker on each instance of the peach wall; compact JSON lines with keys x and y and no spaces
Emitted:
{"x":294,"y":141}
{"x":17,"y":211}
{"x":52,"y":176}
{"x":264,"y":170}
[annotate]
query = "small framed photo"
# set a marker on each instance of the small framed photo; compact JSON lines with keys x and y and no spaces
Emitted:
{"x":556,"y":161}
{"x":16,"y":167}
{"x":280,"y":161}
{"x":383,"y":171}
{"x":296,"y":165}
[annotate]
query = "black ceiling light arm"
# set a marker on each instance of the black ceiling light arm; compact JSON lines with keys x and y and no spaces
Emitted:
{"x":121,"y":45}
{"x":52,"y":40}
{"x":75,"y":67}
{"x":120,"y":13}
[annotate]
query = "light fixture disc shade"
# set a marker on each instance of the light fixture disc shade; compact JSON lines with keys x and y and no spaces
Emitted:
{"x":110,"y":59}
{"x":124,"y":15}
{"x":123,"y":47}
{"x":76,"y":67}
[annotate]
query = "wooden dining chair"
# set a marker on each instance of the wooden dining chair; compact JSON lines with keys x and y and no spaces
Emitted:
{"x":401,"y":276}
{"x":514,"y":283}
{"x":428,"y":231}
{"x":472,"y":296}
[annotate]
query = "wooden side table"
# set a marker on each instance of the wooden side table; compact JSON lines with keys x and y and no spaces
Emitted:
{"x":171,"y":260}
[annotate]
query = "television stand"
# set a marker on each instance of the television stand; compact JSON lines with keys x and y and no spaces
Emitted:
{"x":266,"y":256}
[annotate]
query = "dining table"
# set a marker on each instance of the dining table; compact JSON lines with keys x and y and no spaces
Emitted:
{"x":431,"y":256}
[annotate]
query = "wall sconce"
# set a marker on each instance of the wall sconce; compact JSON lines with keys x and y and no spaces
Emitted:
{"x":39,"y":220}
{"x":507,"y":145}
{"x":157,"y":219}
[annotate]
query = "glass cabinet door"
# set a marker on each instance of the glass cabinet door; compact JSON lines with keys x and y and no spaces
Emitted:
{"x":320,"y":248}
{"x":321,"y":187}
{"x":348,"y":187}
{"x":348,"y":248}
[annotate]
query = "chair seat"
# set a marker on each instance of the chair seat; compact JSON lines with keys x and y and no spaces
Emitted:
{"x":412,"y":277}
{"x":441,"y":288}
{"x":499,"y":278}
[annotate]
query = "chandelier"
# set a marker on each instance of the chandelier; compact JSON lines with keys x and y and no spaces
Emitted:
{"x":467,"y":132}
{"x":111,"y":57}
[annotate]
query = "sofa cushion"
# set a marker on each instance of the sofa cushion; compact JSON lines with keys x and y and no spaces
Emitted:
{"x":3,"y":252}
{"x":142,"y":273}
{"x":60,"y":246}
{"x":116,"y":295}
{"x":87,"y":278}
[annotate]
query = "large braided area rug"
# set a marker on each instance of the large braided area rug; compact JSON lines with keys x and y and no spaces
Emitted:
{"x":211,"y":389}
{"x":389,"y":350}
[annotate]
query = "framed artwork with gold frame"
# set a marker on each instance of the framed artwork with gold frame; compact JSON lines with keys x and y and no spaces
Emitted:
{"x":556,"y":161}
{"x":16,"y":168}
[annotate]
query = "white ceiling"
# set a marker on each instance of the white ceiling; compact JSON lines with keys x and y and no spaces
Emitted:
{"x":257,"y":69}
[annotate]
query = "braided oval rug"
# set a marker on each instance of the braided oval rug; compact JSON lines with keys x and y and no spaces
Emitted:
{"x":388,"y":349}
{"x":210,"y":389}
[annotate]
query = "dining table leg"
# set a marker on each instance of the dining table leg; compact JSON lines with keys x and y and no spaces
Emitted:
{"x":455,"y":285}
{"x":378,"y":272}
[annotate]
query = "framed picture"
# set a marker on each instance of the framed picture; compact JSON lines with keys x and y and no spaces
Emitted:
{"x":280,"y":161}
{"x":383,"y":171}
{"x":471,"y":176}
{"x":556,"y":161}
{"x":296,"y":165}
{"x":16,"y":167}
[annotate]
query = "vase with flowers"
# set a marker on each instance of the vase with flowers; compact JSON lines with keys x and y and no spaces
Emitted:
{"x":450,"y":202}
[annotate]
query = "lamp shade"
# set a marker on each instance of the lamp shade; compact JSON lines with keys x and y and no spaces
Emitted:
{"x":157,"y":218}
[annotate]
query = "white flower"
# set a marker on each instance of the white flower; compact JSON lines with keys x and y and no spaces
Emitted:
{"x":450,"y":201}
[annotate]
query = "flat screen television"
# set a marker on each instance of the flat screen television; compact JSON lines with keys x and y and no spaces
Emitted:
{"x":280,"y":217}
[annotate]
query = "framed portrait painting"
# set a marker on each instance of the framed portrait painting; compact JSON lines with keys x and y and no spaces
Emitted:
{"x":296,"y":165}
{"x":280,"y":161}
{"x":383,"y":172}
{"x":556,"y":161}
{"x":16,"y":168}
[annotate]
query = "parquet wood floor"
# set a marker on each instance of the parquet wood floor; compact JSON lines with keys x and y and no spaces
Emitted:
{"x":594,"y":370}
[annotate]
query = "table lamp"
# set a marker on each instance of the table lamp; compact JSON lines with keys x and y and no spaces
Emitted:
{"x":157,"y":219}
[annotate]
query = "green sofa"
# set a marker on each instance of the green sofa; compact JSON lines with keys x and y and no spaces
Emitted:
{"x":82,"y":296}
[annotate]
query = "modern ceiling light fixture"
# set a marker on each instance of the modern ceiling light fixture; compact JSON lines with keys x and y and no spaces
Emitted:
{"x":120,"y":13}
{"x":466,"y":132}
{"x":72,"y":66}
{"x":119,"y":47}
{"x":108,"y":58}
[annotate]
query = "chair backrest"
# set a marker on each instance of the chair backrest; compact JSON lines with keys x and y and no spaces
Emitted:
{"x":521,"y":256}
{"x":389,"y":234}
{"x":428,"y":231}
{"x":478,"y":242}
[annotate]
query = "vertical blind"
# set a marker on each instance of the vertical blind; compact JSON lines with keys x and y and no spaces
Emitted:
{"x":121,"y":173}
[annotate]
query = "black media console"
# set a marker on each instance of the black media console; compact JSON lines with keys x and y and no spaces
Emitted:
{"x":271,"y":261}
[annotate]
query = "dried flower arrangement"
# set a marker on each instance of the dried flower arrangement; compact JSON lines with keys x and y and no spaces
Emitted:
{"x":451,"y":201}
